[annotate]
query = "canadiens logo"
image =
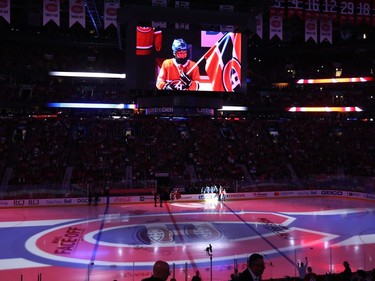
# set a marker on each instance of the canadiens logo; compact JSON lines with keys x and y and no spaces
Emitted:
{"x":178,"y":85}
{"x":164,"y":234}
{"x":111,"y":11}
{"x":232,"y":76}
{"x":51,"y":7}
{"x":155,"y":234}
{"x":77,"y":9}
{"x":202,"y":232}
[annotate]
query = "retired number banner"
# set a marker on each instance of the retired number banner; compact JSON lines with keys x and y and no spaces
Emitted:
{"x":363,"y":11}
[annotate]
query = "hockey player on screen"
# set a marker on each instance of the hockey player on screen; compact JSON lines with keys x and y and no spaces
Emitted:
{"x":178,"y":73}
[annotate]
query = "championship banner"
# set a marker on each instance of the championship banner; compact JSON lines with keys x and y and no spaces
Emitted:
{"x":259,"y":25}
{"x":311,"y":29}
{"x":295,"y":8}
{"x":77,"y":13}
{"x":312,"y":9}
{"x":276,"y":16}
{"x":110,"y":12}
{"x":5,"y":10}
{"x":326,"y":30}
{"x":276,"y":27}
{"x":223,"y":63}
{"x":363,"y":11}
{"x":51,"y":11}
{"x":346,"y":12}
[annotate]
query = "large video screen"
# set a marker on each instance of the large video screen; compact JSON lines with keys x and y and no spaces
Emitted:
{"x":188,"y":60}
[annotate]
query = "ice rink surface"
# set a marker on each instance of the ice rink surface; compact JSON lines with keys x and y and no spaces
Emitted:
{"x":121,"y":242}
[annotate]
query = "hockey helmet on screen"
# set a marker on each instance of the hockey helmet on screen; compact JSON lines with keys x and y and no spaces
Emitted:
{"x":180,"y":50}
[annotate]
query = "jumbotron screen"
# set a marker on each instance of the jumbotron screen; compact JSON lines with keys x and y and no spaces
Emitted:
{"x":188,"y":60}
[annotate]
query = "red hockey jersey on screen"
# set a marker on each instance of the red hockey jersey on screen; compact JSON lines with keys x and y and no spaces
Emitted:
{"x":148,"y":39}
{"x":170,"y":72}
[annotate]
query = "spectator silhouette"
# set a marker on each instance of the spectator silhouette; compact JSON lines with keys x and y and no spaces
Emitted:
{"x":255,"y":268}
{"x":160,"y":271}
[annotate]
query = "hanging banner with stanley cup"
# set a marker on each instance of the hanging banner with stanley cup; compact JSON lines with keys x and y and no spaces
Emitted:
{"x":51,"y":11}
{"x":311,"y":29}
{"x":110,"y":12}
{"x":77,"y":13}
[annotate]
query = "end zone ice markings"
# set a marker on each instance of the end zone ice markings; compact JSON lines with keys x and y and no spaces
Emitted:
{"x":142,"y":241}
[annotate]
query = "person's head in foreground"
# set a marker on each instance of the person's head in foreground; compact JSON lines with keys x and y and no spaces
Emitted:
{"x":256,"y":264}
{"x":161,"y":270}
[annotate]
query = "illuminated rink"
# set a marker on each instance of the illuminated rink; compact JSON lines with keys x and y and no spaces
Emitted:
{"x":122,"y":242}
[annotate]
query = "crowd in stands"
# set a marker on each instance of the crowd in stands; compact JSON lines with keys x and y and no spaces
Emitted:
{"x":195,"y":152}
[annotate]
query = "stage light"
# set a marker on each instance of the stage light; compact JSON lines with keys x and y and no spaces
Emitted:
{"x":335,"y":80}
{"x":325,"y":109}
{"x":88,"y":74}
{"x":233,"y":108}
{"x":92,"y":105}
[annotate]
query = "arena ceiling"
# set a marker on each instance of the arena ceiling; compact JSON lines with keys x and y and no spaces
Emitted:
{"x":29,"y":13}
